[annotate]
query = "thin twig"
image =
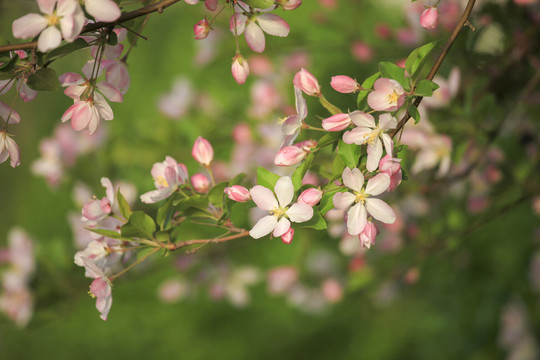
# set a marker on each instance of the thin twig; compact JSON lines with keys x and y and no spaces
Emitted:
{"x":182,"y":244}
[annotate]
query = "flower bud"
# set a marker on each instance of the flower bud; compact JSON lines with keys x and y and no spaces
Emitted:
{"x":392,"y":167}
{"x":310,"y":197}
{"x":202,"y":151}
{"x":336,"y":122}
{"x":344,"y":84}
{"x":305,"y":81}
{"x":429,"y":18}
{"x":211,"y":5}
{"x":201,"y":29}
{"x":368,"y":235}
{"x":306,"y":145}
{"x":200,"y":183}
{"x":240,"y":69}
{"x":238,"y":193}
{"x":290,"y":4}
{"x":288,"y":236}
{"x":289,"y":155}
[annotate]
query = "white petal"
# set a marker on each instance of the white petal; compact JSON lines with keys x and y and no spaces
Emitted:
{"x":380,"y":210}
{"x":343,"y":200}
{"x":282,"y":227}
{"x":110,"y":92}
{"x":284,"y":190}
{"x":356,"y":219}
{"x":263,"y":227}
{"x":157,"y":195}
{"x":357,"y":135}
{"x":388,"y":143}
{"x":273,"y":25}
{"x":353,"y":179}
{"x":378,"y":184}
{"x":264,"y":198}
{"x":300,"y":102}
{"x":362,"y":119}
{"x":103,"y":10}
{"x":300,"y":212}
{"x":46,"y":6}
{"x":387,"y":122}
{"x":255,"y":37}
{"x":49,"y":39}
{"x":374,"y":155}
{"x":28,"y":26}
{"x":291,"y":125}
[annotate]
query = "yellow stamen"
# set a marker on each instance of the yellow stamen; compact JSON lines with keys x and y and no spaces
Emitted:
{"x":393,"y":98}
{"x":52,"y":20}
{"x":160,"y":180}
{"x":372,"y":137}
{"x":277,"y":212}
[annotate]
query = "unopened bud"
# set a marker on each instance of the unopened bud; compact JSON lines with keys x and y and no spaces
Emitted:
{"x":200,"y":183}
{"x":336,"y":122}
{"x":305,"y":81}
{"x":429,"y":18}
{"x":202,"y":151}
{"x":201,"y":29}
{"x":344,"y":84}
{"x":238,"y":193}
{"x":288,"y":236}
{"x":240,"y":69}
{"x":289,"y":155}
{"x":310,"y":197}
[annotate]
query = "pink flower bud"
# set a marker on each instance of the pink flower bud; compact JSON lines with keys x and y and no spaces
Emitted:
{"x":289,"y":155}
{"x":392,"y":167}
{"x":306,"y":145}
{"x":201,"y":29}
{"x":336,"y":122}
{"x":211,"y":4}
{"x":368,"y":235}
{"x":310,"y":197}
{"x":332,"y":290}
{"x":200,"y":183}
{"x":202,"y":151}
{"x":288,"y":236}
{"x":240,"y":69}
{"x":238,"y":193}
{"x":305,"y":81}
{"x":344,"y":84}
{"x":290,"y":4}
{"x":429,"y":18}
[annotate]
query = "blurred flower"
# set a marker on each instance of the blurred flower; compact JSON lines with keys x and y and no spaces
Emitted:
{"x":168,"y":175}
{"x":429,"y":18}
{"x":9,"y":149}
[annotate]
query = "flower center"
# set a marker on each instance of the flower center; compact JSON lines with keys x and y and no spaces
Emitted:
{"x":392,"y":98}
{"x":360,"y":197}
{"x":277,"y":212}
{"x":372,"y":136}
{"x":52,"y":20}
{"x":161,"y":181}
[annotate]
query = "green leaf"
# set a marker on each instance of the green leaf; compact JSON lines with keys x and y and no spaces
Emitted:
{"x":125,"y":210}
{"x":237,"y":179}
{"x":392,"y":71}
{"x":107,"y":233}
{"x":64,"y":50}
{"x":139,"y":225}
{"x":6,"y":69}
{"x":216,"y":194}
{"x":337,"y":167}
{"x":195,"y":201}
{"x":328,"y":139}
{"x":425,"y":88}
{"x":417,"y":59}
{"x":165,"y":213}
{"x":260,"y":4}
{"x":300,"y":172}
{"x":327,"y":201}
{"x":317,"y":222}
{"x":413,"y":111}
{"x":350,"y":153}
{"x":136,"y":25}
{"x":266,"y":178}
{"x":112,"y":39}
{"x":239,"y":214}
{"x":45,"y":79}
{"x":366,"y":85}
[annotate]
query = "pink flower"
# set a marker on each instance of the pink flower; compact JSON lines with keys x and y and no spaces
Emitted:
{"x":8,"y":114}
{"x":310,"y":196}
{"x":9,"y":149}
{"x":200,"y":183}
{"x":368,"y":235}
{"x":289,"y":155}
{"x":88,"y":113}
{"x":66,"y":14}
{"x":292,"y":124}
{"x":336,"y":122}
{"x":202,"y":151}
{"x":387,"y":96}
{"x":288,"y":236}
{"x":168,"y":175}
{"x":429,"y":18}
{"x":344,"y":84}
{"x":95,"y":211}
{"x":368,"y":133}
{"x":238,"y":193}
{"x":392,"y":167}
{"x":103,"y":10}
{"x":254,"y":27}
{"x":211,"y":5}
{"x":306,"y":82}
{"x":116,"y":74}
{"x":361,"y":201}
{"x":201,"y":29}
{"x":281,"y":215}
{"x":240,"y":69}
{"x":100,"y":288}
{"x":289,"y":4}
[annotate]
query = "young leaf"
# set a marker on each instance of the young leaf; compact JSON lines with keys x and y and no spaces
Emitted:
{"x":328,"y":139}
{"x":317,"y":222}
{"x":139,"y":225}
{"x":413,"y":111}
{"x":165,"y":213}
{"x":416,"y":60}
{"x":216,"y":194}
{"x":64,"y":50}
{"x":107,"y":233}
{"x":366,"y":85}
{"x":195,"y":201}
{"x":425,"y":88}
{"x":350,"y":153}
{"x":45,"y":79}
{"x":266,"y":178}
{"x":300,"y":172}
{"x":327,"y":201}
{"x":392,"y":71}
{"x":125,"y":210}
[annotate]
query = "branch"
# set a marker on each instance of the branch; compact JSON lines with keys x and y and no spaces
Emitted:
{"x":182,"y":244}
{"x":462,"y":22}
{"x":157,"y":7}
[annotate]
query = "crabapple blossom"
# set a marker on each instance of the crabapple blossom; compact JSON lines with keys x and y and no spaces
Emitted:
{"x":9,"y":149}
{"x":344,"y":84}
{"x":238,"y":193}
{"x":361,"y":201}
{"x":368,"y":133}
{"x":103,"y":10}
{"x":305,"y":81}
{"x":429,"y":18}
{"x":100,"y":287}
{"x":66,"y":14}
{"x":8,"y":114}
{"x":337,"y":122}
{"x":88,"y":113}
{"x":95,"y":211}
{"x":388,"y":95}
{"x":368,"y":235}
{"x":200,"y":183}
{"x":201,"y":29}
{"x":255,"y":26}
{"x":392,"y":167}
{"x":240,"y":69}
{"x":202,"y":151}
{"x":281,"y":214}
{"x":168,"y":175}
{"x":292,"y":124}
{"x":310,"y":196}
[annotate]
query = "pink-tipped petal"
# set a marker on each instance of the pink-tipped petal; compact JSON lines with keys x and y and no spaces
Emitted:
{"x":343,"y":200}
{"x":273,"y":25}
{"x":378,"y":184}
{"x":255,"y":37}
{"x":103,"y":10}
{"x":353,"y":179}
{"x":264,"y":198}
{"x":28,"y":26}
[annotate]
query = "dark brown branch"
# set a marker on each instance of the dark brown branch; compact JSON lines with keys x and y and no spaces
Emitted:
{"x":462,"y":22}
{"x":157,"y":7}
